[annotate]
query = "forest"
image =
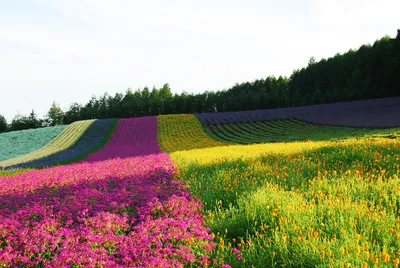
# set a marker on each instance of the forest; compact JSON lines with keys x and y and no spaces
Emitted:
{"x":372,"y":71}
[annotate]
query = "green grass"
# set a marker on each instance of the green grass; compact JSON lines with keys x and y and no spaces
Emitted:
{"x":16,"y":143}
{"x":290,"y":130}
{"x":331,"y":206}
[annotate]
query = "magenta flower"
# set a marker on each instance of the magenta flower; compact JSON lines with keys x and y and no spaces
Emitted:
{"x":120,"y":207}
{"x":235,"y":250}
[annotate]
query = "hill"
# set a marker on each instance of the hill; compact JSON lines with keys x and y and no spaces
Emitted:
{"x":192,"y":190}
{"x":13,"y":144}
{"x":63,"y":141}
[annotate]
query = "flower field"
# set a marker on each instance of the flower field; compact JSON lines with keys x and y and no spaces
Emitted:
{"x":183,"y":132}
{"x":132,"y":137}
{"x":386,"y":112}
{"x":119,"y":212}
{"x":91,"y":140}
{"x":63,"y":141}
{"x":286,"y":130}
{"x":167,"y":191}
{"x":334,"y":204}
{"x":16,"y":143}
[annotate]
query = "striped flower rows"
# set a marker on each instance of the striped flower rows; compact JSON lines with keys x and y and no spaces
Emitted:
{"x":386,"y":114}
{"x":65,"y":140}
{"x":16,"y":143}
{"x":120,"y":212}
{"x":132,"y":137}
{"x":297,"y":204}
{"x":92,"y":139}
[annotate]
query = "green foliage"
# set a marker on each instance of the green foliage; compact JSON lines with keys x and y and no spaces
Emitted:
{"x":55,"y":115}
{"x":369,"y":72}
{"x":73,"y":114}
{"x":331,"y":206}
{"x":372,"y":71}
{"x":12,"y":172}
{"x":26,"y":122}
{"x":3,"y":123}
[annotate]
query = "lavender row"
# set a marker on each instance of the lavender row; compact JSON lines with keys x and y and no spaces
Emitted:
{"x":121,"y":212}
{"x":375,"y":113}
{"x":132,"y":137}
{"x":93,"y":137}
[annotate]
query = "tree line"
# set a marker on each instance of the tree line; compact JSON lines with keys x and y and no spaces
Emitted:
{"x":372,"y":71}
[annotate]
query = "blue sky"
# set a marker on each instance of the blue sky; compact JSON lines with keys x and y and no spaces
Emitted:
{"x":67,"y":51}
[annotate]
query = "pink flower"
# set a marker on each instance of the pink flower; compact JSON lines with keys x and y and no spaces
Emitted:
{"x":235,"y":250}
{"x":207,"y":247}
{"x":105,"y":212}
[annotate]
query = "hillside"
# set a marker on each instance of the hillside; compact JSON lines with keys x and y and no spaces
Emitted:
{"x":373,"y":113}
{"x":90,"y":141}
{"x":97,"y":140}
{"x":17,"y":143}
{"x":63,"y":141}
{"x":235,"y":189}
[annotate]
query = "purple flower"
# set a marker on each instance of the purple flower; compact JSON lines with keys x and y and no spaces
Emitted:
{"x":119,"y":212}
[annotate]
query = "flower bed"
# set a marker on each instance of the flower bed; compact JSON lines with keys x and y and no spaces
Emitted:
{"x":16,"y":143}
{"x":386,"y":114}
{"x":132,"y":137}
{"x":91,"y":140}
{"x":112,"y":213}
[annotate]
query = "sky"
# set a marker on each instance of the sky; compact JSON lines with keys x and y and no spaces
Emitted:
{"x":67,"y":51}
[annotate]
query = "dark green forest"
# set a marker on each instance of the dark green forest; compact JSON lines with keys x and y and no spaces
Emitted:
{"x":372,"y":71}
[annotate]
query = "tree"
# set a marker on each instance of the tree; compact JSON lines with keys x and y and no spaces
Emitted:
{"x":155,"y":101}
{"x":73,"y":114}
{"x":33,"y":120}
{"x":370,"y":71}
{"x":312,"y":61}
{"x":3,"y":123}
{"x":26,"y":122}
{"x":55,"y":115}
{"x":165,"y":96}
{"x":128,"y":104}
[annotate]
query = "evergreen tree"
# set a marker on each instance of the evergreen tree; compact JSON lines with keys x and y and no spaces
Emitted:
{"x":55,"y":115}
{"x":3,"y":123}
{"x":372,"y":71}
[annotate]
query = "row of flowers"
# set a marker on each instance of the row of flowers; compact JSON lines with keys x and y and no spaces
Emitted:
{"x":121,"y":212}
{"x":352,"y":114}
{"x":92,"y":138}
{"x":132,"y":137}
{"x":16,"y":143}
